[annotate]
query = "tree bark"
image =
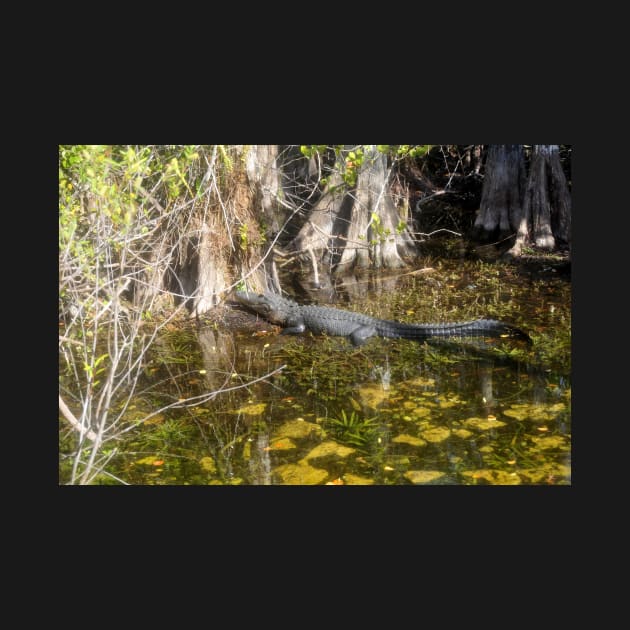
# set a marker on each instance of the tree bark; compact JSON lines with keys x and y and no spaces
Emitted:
{"x":357,"y":226}
{"x":263,"y":174}
{"x":322,"y":232}
{"x":375,"y":214}
{"x":224,"y":233}
{"x":501,"y":199}
{"x":546,"y":217}
{"x":212,"y":278}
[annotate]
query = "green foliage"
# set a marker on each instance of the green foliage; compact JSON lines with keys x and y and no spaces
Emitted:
{"x":352,"y":166}
{"x":401,"y":151}
{"x":380,"y":233}
{"x":350,"y":163}
{"x":412,"y":150}
{"x":242,"y":232}
{"x":309,"y":150}
{"x":226,"y":158}
{"x":92,"y":369}
{"x":249,"y":235}
{"x":164,"y":434}
{"x":353,"y":429}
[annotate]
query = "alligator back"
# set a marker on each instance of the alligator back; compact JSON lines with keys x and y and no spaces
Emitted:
{"x":333,"y":321}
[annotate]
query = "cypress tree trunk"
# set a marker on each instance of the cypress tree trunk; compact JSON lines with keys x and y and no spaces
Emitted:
{"x":220,"y":237}
{"x":327,"y":221}
{"x":546,"y":218}
{"x":357,"y":226}
{"x":500,"y":209}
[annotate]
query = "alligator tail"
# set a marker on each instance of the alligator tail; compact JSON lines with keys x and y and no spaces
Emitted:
{"x":476,"y":328}
{"x":480,"y":328}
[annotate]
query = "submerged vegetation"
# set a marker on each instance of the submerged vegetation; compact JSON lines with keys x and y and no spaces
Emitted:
{"x":389,"y":412}
{"x":354,"y":430}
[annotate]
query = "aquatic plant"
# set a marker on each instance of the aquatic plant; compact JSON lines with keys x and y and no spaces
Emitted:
{"x":351,"y":428}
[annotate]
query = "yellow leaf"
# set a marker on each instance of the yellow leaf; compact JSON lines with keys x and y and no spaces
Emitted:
{"x":252,"y":409}
{"x":148,"y":461}
{"x":335,"y":482}
{"x":207,"y":464}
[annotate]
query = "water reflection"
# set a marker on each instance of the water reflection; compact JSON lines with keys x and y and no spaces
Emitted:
{"x":266,"y":408}
{"x":393,"y":411}
{"x":260,"y":461}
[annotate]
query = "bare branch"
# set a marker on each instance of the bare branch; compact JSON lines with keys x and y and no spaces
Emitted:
{"x":69,"y":416}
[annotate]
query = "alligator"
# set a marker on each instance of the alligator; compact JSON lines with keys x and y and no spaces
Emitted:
{"x":296,"y":318}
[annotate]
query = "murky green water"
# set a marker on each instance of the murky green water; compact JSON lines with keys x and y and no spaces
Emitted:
{"x":388,"y":412}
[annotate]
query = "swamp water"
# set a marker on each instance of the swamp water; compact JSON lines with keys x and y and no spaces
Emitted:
{"x":281,"y":409}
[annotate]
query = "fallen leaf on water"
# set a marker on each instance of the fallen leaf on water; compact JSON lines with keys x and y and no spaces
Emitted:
{"x":335,"y":482}
{"x":207,"y":464}
{"x":252,"y":409}
{"x":149,"y":461}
